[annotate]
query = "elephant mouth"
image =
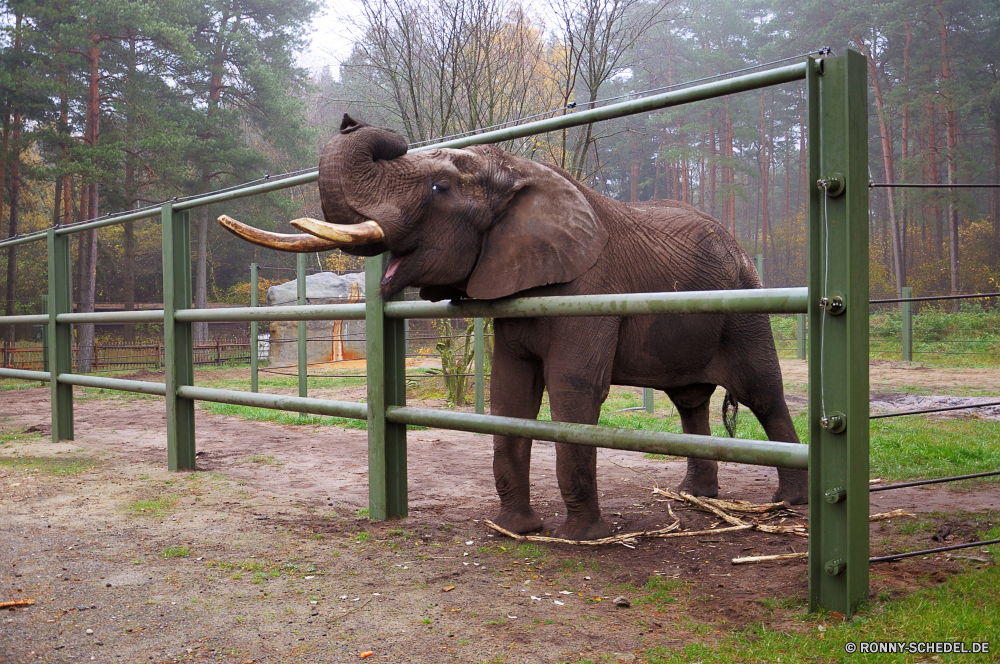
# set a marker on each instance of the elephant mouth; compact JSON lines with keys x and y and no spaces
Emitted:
{"x":390,"y":271}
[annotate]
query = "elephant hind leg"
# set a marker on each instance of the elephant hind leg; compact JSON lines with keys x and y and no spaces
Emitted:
{"x":767,"y":403}
{"x":692,"y":402}
{"x":793,"y":485}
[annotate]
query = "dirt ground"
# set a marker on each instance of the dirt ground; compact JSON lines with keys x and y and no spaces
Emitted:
{"x":264,"y":554}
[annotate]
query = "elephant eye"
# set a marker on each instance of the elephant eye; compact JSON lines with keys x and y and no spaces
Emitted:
{"x":439,"y":187}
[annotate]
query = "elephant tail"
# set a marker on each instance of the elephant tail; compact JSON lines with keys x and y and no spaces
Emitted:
{"x":730,"y":412}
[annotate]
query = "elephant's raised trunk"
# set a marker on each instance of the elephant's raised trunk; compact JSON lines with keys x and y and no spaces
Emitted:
{"x":355,"y":181}
{"x":354,"y":189}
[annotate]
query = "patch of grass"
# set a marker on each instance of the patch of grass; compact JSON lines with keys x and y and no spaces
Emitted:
{"x":918,"y":447}
{"x":361,"y":513}
{"x":154,"y":506}
{"x":281,"y":417}
{"x":963,"y":608}
{"x":263,"y":460}
{"x":363,"y":536}
{"x":496,"y":623}
{"x":275,"y":381}
{"x":19,"y":437}
{"x":536,"y":552}
{"x":176,"y":552}
{"x":659,"y":591}
{"x":61,"y":465}
{"x":82,"y":394}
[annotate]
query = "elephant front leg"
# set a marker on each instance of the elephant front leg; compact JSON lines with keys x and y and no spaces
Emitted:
{"x":515,"y":391}
{"x":511,"y":470}
{"x":576,"y":469}
{"x":578,"y":378}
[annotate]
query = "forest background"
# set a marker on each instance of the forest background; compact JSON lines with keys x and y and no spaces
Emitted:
{"x":118,"y":104}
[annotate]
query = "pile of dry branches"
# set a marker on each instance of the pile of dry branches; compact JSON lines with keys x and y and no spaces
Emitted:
{"x":752,"y":517}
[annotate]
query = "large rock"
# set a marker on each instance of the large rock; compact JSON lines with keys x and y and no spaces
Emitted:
{"x":327,"y":340}
{"x":321,"y":288}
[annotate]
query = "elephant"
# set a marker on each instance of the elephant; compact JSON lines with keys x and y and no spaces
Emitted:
{"x":483,"y":223}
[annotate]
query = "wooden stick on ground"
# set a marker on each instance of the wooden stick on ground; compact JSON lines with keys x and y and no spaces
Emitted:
{"x":16,"y":602}
{"x":624,"y":538}
{"x":895,"y":514}
{"x":686,"y":497}
{"x":764,"y":559}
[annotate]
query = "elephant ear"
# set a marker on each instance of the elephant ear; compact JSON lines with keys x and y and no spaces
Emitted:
{"x":548,"y":234}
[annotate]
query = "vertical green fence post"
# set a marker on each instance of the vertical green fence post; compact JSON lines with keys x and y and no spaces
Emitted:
{"x":385,"y":341}
{"x":178,"y":350}
{"x":647,"y":399}
{"x":60,"y":335}
{"x":479,"y":351}
{"x":303,"y":329}
{"x":801,"y":335}
{"x":254,"y":336}
{"x":45,"y":335}
{"x":838,"y":341}
{"x":907,"y":315}
{"x":759,"y":262}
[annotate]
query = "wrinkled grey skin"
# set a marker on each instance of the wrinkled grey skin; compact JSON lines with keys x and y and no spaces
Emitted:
{"x":482,"y":223}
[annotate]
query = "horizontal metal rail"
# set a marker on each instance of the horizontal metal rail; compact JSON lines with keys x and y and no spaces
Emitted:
{"x":935,"y":410}
{"x":911,"y":554}
{"x":30,"y":319}
{"x":291,"y":312}
{"x":22,"y":374}
{"x":938,"y":480}
{"x":738,"y":450}
{"x":931,"y":298}
{"x":744,"y":301}
{"x":357,"y":411}
{"x":120,"y":384}
{"x":712,"y":90}
{"x":144,"y":316}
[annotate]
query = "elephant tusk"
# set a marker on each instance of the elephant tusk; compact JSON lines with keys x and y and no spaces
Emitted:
{"x":364,"y":233}
{"x":299,"y":242}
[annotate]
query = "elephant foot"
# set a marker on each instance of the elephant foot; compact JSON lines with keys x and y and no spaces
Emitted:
{"x":793,"y":487}
{"x":581,"y":528}
{"x":519,"y":522}
{"x":699,"y":487}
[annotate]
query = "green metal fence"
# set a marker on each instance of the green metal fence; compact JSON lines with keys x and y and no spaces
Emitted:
{"x":836,"y":302}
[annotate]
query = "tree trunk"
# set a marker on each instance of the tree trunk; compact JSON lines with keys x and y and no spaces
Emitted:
{"x":634,"y":174}
{"x":951,"y":127}
{"x":685,"y":173}
{"x":803,"y":159}
{"x":933,"y":176}
{"x":88,"y":259}
{"x":701,"y":174}
{"x":765,"y":172}
{"x":128,"y":290}
{"x":885,"y":132}
{"x":200,"y":330}
{"x":907,"y":217}
{"x":712,"y":164}
{"x":15,"y":204}
{"x":727,"y":172}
